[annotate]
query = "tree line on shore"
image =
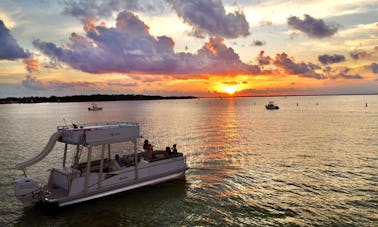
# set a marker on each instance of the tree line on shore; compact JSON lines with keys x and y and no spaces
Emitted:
{"x":87,"y":98}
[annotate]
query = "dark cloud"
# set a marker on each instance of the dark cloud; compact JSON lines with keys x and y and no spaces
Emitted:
{"x":257,"y":43}
{"x":345,"y":74}
{"x":98,"y":8}
{"x":209,"y":17}
{"x":330,"y":59}
{"x":312,"y":27}
{"x":263,"y":60}
{"x":360,"y":55}
{"x":374,"y":67}
{"x":9,"y":48}
{"x":336,"y":74}
{"x":301,"y":69}
{"x":129,"y":48}
{"x":33,"y":83}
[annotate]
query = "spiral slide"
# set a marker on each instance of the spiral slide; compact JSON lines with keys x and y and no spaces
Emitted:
{"x":49,"y":146}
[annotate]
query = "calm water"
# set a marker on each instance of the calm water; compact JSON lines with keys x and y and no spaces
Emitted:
{"x":302,"y":165}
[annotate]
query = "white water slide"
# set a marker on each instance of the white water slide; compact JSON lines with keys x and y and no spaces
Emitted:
{"x":50,"y":145}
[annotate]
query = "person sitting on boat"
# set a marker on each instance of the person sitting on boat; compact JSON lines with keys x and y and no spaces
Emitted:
{"x":147,"y":146}
{"x":148,"y":149}
{"x":118,"y":161}
{"x":167,"y":152}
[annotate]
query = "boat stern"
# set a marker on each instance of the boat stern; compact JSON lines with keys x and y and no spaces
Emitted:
{"x":27,"y":191}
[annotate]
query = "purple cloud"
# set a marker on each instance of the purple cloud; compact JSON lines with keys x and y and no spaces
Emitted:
{"x":9,"y":48}
{"x":301,"y":69}
{"x":100,"y":8}
{"x":326,"y":59}
{"x":209,"y":17}
{"x":33,"y":83}
{"x":345,"y":74}
{"x":373,"y":67}
{"x":360,"y":55}
{"x":129,"y":48}
{"x":257,"y":43}
{"x":312,"y":27}
{"x":263,"y":60}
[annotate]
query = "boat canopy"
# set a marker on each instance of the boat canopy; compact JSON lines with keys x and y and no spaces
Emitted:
{"x":99,"y":134}
{"x":87,"y":135}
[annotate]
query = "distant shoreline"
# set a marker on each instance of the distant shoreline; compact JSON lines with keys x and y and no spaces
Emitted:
{"x":87,"y":98}
{"x":129,"y":97}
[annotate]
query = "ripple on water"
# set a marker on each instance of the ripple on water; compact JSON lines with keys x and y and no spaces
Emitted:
{"x":301,"y":166}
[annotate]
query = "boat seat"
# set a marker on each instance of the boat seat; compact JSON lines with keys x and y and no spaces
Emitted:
{"x":95,"y":165}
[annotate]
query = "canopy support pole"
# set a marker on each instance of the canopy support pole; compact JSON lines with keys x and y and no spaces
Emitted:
{"x":100,"y":175}
{"x":135,"y":158}
{"x":88,"y":169}
{"x":65,"y":155}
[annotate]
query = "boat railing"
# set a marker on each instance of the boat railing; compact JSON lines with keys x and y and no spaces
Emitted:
{"x":59,"y":128}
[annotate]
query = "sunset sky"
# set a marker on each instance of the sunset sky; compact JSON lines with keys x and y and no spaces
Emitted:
{"x":204,"y":48}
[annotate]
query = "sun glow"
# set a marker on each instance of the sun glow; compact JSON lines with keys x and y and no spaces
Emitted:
{"x":230,"y":89}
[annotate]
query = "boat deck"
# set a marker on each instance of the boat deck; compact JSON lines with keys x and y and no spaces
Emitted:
{"x":57,"y":193}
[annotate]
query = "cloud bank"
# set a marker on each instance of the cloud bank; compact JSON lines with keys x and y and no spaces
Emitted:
{"x":330,"y":59}
{"x":301,"y":69}
{"x":129,"y":48}
{"x":209,"y":17}
{"x":373,"y":67}
{"x":98,"y":8}
{"x":312,"y":27}
{"x":31,"y":82}
{"x":9,"y":48}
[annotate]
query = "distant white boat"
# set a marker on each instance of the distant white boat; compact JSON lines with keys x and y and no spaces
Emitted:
{"x":91,"y":179}
{"x":94,"y":108}
{"x":271,"y":106}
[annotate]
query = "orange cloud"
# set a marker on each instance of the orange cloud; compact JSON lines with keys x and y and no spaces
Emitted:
{"x":32,"y":64}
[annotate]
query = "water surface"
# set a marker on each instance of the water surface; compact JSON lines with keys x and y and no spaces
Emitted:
{"x":314,"y":163}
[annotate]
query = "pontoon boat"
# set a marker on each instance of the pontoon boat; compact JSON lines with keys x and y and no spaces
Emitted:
{"x":100,"y":174}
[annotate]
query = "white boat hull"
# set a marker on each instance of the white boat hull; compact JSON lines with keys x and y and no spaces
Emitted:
{"x":112,"y":182}
{"x":127,"y":186}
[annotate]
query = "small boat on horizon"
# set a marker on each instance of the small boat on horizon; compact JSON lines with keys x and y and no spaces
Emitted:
{"x":271,"y":106}
{"x":96,"y":170}
{"x":94,"y":108}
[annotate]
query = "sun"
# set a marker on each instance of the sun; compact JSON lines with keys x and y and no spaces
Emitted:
{"x":230,"y":89}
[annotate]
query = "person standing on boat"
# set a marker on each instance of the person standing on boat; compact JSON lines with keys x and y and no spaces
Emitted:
{"x":174,"y":150}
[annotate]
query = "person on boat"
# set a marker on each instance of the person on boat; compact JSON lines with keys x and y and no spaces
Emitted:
{"x":118,"y":161}
{"x":148,"y":149}
{"x":167,"y":152}
{"x":147,"y":146}
{"x":174,"y":150}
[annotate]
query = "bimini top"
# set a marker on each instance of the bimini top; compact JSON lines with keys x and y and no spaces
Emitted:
{"x":87,"y":134}
{"x":99,"y":133}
